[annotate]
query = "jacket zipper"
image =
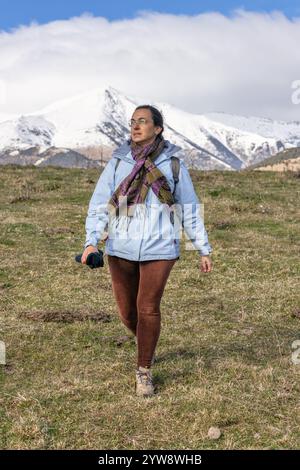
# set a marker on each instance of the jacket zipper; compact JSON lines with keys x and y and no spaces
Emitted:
{"x":144,"y":219}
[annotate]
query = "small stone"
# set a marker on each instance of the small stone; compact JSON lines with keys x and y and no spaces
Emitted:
{"x":296,"y":313}
{"x":214,"y":433}
{"x":121,"y":340}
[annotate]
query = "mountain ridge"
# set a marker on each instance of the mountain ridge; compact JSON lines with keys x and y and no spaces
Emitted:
{"x":98,"y":118}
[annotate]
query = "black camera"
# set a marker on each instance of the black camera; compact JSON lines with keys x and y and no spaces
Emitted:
{"x":94,"y":260}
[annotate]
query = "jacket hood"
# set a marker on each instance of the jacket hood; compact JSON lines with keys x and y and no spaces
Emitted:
{"x":125,"y":149}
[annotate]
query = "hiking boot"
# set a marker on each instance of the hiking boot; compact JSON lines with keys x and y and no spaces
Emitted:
{"x":143,"y":384}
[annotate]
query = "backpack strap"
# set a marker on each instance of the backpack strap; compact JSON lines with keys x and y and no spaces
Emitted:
{"x":116,"y":166}
{"x":117,"y":163}
{"x":175,"y":170}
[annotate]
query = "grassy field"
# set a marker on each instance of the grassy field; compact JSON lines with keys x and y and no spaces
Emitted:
{"x":225,"y":349}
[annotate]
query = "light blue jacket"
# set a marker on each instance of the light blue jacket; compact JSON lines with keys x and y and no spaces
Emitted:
{"x":152,"y":233}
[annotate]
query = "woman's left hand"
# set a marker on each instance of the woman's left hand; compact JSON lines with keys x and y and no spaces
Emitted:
{"x":205,"y":264}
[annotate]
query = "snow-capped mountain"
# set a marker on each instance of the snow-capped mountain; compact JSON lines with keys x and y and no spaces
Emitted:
{"x":99,"y":118}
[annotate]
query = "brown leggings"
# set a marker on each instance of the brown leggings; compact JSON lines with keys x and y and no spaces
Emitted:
{"x":138,"y":287}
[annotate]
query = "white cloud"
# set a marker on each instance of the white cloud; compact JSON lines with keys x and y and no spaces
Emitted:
{"x":242,"y":64}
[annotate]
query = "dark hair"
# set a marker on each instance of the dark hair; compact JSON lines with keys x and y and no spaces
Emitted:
{"x":156,"y":116}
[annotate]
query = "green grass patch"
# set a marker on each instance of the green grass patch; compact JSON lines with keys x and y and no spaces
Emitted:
{"x":225,"y":348}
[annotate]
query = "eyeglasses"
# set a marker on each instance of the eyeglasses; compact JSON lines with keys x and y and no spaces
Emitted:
{"x":141,"y":122}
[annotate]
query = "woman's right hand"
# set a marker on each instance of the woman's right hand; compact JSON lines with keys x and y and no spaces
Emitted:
{"x":89,"y":249}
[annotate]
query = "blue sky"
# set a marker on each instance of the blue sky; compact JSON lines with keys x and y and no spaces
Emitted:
{"x":16,"y":12}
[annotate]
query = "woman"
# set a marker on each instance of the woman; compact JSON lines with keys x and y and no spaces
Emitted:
{"x":131,"y":201}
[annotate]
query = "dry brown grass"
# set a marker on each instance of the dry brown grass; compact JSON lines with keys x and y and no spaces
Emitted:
{"x":224,"y":354}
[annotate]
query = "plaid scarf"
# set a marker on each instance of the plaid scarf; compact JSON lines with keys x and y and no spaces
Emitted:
{"x":144,"y":175}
